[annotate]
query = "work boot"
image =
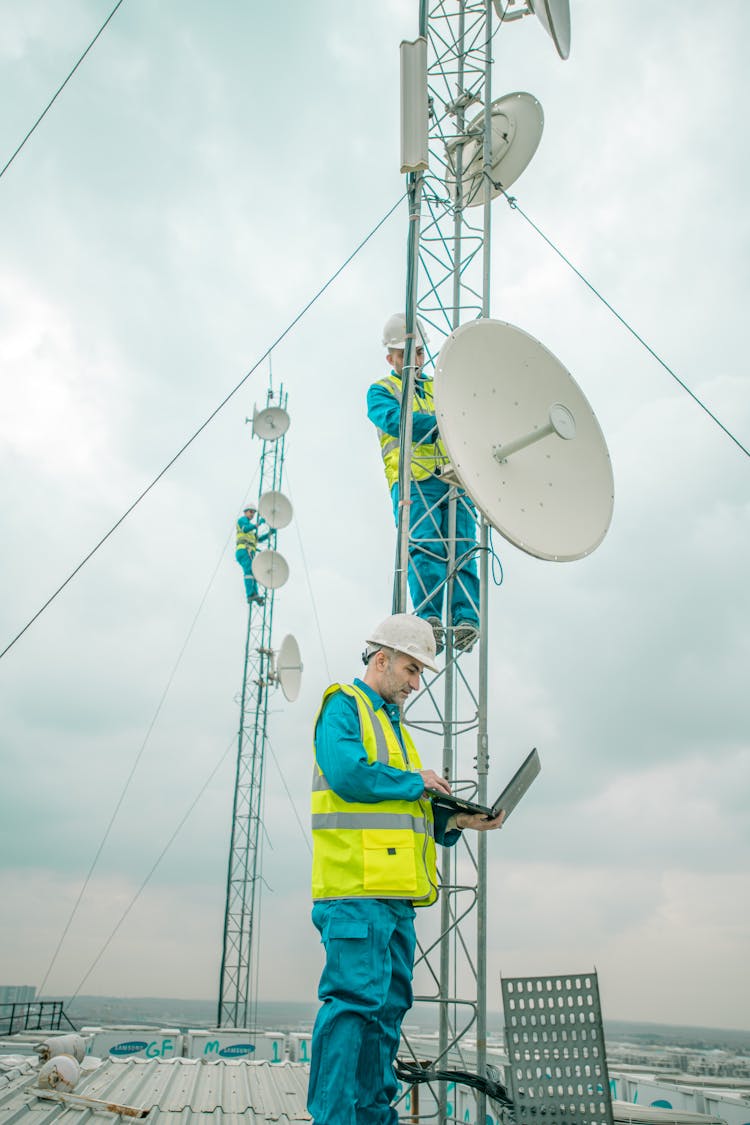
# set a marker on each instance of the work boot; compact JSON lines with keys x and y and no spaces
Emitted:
{"x":438,"y":633}
{"x":465,"y":636}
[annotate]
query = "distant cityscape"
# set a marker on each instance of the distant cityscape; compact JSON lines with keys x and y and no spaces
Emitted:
{"x":663,"y":1049}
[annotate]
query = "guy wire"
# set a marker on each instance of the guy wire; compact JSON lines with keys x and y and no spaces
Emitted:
{"x":203,"y":424}
{"x":513,"y":204}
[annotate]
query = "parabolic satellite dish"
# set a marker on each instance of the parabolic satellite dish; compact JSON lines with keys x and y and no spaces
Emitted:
{"x":271,"y":569}
{"x":271,"y":423}
{"x":275,"y":509}
{"x":553,"y":15}
{"x":517,"y":124}
{"x":289,"y":668}
{"x":523,"y":440}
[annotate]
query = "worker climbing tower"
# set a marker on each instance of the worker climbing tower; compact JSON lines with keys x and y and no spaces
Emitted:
{"x":522,"y":454}
{"x":263,"y":670}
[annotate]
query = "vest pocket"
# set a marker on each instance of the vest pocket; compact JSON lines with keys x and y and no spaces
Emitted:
{"x":389,"y":864}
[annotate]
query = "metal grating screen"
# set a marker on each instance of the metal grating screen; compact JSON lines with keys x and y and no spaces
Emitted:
{"x":555,"y":1044}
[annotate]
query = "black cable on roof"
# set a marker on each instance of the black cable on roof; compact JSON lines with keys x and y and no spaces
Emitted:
{"x":414,"y":1073}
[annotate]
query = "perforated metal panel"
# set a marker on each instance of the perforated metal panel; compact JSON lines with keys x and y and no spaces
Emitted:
{"x":555,"y":1043}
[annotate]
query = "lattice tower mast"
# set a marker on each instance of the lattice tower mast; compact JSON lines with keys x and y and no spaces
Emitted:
{"x":448,"y":282}
{"x":237,"y":997}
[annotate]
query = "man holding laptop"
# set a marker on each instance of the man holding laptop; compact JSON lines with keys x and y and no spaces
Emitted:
{"x":374,"y":826}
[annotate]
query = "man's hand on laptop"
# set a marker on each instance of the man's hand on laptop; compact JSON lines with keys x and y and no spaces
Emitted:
{"x":479,"y":822}
{"x":433,"y":781}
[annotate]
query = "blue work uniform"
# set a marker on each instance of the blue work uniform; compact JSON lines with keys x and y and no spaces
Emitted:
{"x":245,"y":556}
{"x":428,"y":523}
{"x":365,"y":988}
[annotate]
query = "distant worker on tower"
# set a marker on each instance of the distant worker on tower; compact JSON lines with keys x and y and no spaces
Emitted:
{"x":248,"y":538}
{"x":374,"y":860}
{"x":428,"y":512}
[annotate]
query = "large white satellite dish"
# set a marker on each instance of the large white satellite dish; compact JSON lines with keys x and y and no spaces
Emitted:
{"x":271,"y":423}
{"x":275,"y":509}
{"x":523,"y":440}
{"x":289,"y":668}
{"x":517,"y":124}
{"x":553,"y":15}
{"x":271,"y":569}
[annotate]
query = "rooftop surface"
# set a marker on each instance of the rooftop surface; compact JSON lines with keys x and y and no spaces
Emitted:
{"x":173,"y":1090}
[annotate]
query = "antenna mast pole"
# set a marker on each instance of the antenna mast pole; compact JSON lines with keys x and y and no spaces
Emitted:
{"x":453,"y":286}
{"x":460,"y":159}
{"x":237,"y":988}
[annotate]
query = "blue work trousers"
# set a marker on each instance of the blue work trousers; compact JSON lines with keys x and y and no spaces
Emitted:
{"x":428,"y":554}
{"x":365,"y":989}
{"x":245,"y":559}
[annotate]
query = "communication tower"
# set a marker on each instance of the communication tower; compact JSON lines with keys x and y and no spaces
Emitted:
{"x":263,"y":669}
{"x":523,"y":445}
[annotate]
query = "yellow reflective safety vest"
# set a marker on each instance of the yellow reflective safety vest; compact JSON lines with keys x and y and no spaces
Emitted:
{"x":427,"y":457}
{"x":247,"y":540}
{"x":384,"y":849}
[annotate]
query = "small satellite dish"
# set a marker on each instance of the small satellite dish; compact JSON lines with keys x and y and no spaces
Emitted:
{"x":275,"y":509}
{"x":73,"y":1045}
{"x":523,"y":440}
{"x":271,"y":423}
{"x":60,"y":1073}
{"x":289,"y":668}
{"x":517,"y":124}
{"x":554,"y":16}
{"x":271,"y":569}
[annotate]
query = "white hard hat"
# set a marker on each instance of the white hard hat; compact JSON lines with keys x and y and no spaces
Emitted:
{"x":407,"y":634}
{"x":394,"y":332}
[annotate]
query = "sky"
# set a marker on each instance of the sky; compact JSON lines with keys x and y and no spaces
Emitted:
{"x":206,"y":170}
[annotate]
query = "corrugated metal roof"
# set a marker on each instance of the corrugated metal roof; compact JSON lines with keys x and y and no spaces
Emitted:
{"x":174,"y":1090}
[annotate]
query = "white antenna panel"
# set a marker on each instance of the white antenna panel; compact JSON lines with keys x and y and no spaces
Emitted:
{"x":289,"y":668}
{"x":523,"y":440}
{"x":271,"y":569}
{"x":270,"y":424}
{"x":517,"y":124}
{"x":415,"y":151}
{"x":275,"y":509}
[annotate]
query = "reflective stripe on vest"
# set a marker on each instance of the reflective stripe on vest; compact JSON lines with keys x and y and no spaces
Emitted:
{"x":384,"y":849}
{"x":426,"y":457}
{"x":372,"y":820}
{"x":247,"y":540}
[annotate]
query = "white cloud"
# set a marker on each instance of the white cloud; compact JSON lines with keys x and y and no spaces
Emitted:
{"x":193,"y":187}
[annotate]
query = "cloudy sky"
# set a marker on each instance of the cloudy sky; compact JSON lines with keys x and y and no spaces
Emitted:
{"x":206,"y":170}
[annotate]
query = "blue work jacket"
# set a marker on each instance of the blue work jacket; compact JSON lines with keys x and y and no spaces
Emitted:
{"x":384,"y":411}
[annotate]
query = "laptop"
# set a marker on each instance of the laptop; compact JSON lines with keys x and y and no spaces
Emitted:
{"x":508,"y":799}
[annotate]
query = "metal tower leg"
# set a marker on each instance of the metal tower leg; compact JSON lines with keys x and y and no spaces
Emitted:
{"x":453,"y":286}
{"x":237,"y":988}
